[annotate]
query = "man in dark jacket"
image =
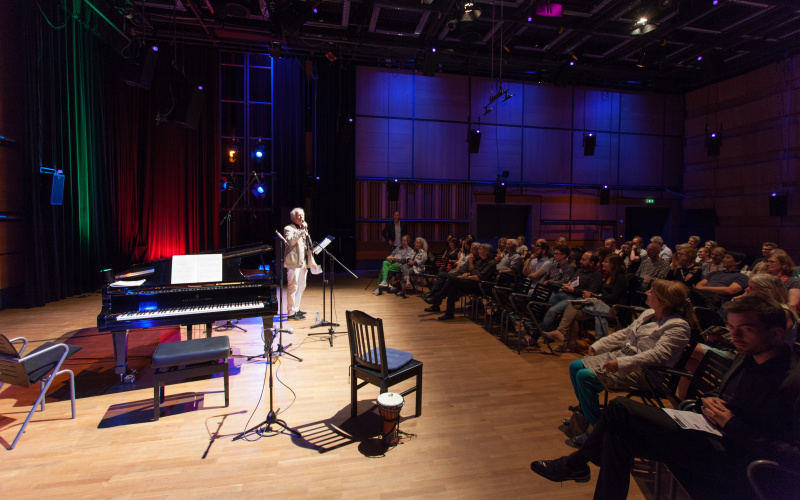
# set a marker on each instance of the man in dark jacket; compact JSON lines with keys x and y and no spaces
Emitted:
{"x":393,"y":231}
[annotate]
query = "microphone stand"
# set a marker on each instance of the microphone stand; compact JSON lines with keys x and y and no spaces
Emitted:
{"x":323,"y":321}
{"x":272,"y":417}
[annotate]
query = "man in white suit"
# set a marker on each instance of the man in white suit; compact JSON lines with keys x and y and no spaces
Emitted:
{"x":297,"y":258}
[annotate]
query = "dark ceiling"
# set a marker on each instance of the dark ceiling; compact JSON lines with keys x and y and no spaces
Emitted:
{"x":683,"y":45}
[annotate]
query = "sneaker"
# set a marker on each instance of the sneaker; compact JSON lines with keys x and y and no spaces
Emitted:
{"x":392,"y":289}
{"x":377,"y":291}
{"x":557,"y":471}
{"x":383,"y":284}
{"x":554,"y":335}
{"x":432,"y":309}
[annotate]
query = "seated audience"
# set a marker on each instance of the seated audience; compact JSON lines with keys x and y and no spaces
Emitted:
{"x":665,"y":252}
{"x":756,"y":410}
{"x":652,"y":266}
{"x":467,"y":283}
{"x":586,"y":280}
{"x":575,"y":254}
{"x":560,"y":271}
{"x":501,"y":248}
{"x":766,"y":248}
{"x":715,"y":262}
{"x":721,"y":286}
{"x":522,"y":250}
{"x":464,"y":252}
{"x":781,"y":265}
{"x":392,"y":263}
{"x":451,"y":253}
{"x":695,"y":242}
{"x":414,"y":265}
{"x":683,"y":267}
{"x":465,"y":267}
{"x":611,"y":245}
{"x":612,"y":291}
{"x":537,"y":264}
{"x":511,"y":261}
{"x":711,"y":245}
{"x":703,"y":256}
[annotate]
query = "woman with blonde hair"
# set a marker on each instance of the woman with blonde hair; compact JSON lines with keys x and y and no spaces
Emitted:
{"x":779,"y":264}
{"x":415,"y":264}
{"x":656,"y":338}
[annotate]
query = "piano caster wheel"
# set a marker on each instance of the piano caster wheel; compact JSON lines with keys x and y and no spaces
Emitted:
{"x":130,"y":377}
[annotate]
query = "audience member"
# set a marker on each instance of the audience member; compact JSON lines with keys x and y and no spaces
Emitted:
{"x":715,"y":263}
{"x":703,"y":256}
{"x":511,"y":262}
{"x":560,"y":271}
{"x":537,"y":265}
{"x":695,"y":242}
{"x":766,"y":248}
{"x":721,"y":286}
{"x":665,"y":253}
{"x":393,"y":231}
{"x":587,"y":279}
{"x":451,"y":253}
{"x":465,"y":267}
{"x":392,"y":263}
{"x":652,"y":266}
{"x":521,"y":248}
{"x":781,"y":265}
{"x":467,"y":283}
{"x":611,"y":245}
{"x":756,"y":410}
{"x":414,"y":265}
{"x":683,"y":267}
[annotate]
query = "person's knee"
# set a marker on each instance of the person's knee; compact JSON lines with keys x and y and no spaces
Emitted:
{"x":586,"y":378}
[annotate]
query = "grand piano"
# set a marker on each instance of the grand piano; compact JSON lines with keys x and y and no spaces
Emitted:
{"x":159,"y":302}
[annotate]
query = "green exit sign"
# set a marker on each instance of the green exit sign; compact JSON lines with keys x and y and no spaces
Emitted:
{"x":649,"y":201}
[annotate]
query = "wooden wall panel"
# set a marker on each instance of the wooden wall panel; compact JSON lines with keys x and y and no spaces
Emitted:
{"x":501,"y":149}
{"x":440,"y":150}
{"x":545,"y":106}
{"x":546,"y":155}
{"x":445,"y":97}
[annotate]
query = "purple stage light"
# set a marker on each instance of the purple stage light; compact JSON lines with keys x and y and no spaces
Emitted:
{"x":350,"y":120}
{"x":199,"y":87}
{"x":605,"y":186}
{"x":713,"y":135}
{"x":572,"y":63}
{"x":155,"y":48}
{"x":774,"y":194}
{"x":433,"y":49}
{"x":530,"y":19}
{"x":315,"y":10}
{"x":699,"y":58}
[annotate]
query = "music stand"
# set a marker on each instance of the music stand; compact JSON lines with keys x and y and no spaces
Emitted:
{"x":323,"y":322}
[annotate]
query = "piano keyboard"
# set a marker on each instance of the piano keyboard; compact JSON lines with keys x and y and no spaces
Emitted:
{"x":188,"y":311}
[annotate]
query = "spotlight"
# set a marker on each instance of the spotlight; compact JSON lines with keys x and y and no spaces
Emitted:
{"x":258,"y":152}
{"x":233,"y":153}
{"x":259,"y":190}
{"x":589,"y":143}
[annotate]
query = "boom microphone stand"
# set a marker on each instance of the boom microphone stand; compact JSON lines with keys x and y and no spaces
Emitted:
{"x":272,"y":417}
{"x":323,"y":322}
{"x":281,"y":350}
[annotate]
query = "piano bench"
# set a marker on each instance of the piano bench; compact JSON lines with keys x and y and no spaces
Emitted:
{"x":186,"y":359}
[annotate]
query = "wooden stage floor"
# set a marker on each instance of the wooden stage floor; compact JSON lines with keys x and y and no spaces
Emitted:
{"x":487,"y":413}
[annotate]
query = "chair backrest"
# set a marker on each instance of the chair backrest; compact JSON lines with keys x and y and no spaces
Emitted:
{"x":523,"y":285}
{"x":7,"y":348}
{"x":708,"y":375}
{"x":506,"y":279}
{"x":367,"y":345}
{"x":541,"y":293}
{"x":771,"y":481}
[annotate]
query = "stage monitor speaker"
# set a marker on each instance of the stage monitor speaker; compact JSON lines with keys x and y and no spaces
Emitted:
{"x":139,"y":71}
{"x":778,"y":205}
{"x":473,"y":141}
{"x":189,"y":106}
{"x":605,"y":196}
{"x":57,"y":192}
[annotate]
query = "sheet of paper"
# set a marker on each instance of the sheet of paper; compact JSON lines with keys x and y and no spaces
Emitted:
{"x":203,"y":268}
{"x":692,"y":420}
{"x":323,"y":244}
{"x":128,"y":283}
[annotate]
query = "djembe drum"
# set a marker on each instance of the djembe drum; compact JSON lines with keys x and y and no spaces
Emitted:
{"x":389,"y":404}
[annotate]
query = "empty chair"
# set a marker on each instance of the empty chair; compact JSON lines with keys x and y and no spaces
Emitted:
{"x":42,"y":365}
{"x":374,"y":363}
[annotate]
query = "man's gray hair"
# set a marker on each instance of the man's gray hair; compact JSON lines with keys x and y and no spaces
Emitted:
{"x":296,"y":211}
{"x":488,"y":247}
{"x":657,"y":239}
{"x":514,"y":242}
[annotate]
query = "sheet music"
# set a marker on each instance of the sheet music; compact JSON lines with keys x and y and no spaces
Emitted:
{"x":324,"y":243}
{"x":127,"y":283}
{"x":201,"y":268}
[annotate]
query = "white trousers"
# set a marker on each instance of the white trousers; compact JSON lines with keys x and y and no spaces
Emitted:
{"x":294,"y":291}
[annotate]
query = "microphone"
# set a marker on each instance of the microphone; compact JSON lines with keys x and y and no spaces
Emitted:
{"x":283,"y":330}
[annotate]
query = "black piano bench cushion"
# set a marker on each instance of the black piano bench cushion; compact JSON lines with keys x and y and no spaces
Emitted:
{"x":395,"y":358}
{"x":191,"y":351}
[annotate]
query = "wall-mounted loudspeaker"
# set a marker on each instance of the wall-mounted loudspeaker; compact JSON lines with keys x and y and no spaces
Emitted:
{"x":778,"y":205}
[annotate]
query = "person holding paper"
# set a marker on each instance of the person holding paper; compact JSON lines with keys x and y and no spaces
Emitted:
{"x":297,"y":259}
{"x":756,"y":409}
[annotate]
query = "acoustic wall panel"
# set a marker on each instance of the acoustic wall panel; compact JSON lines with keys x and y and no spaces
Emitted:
{"x":387,"y":146}
{"x":596,"y":111}
{"x":501,"y":149}
{"x":384,"y":94}
{"x":546,"y":155}
{"x":673,"y":161}
{"x":440,"y":150}
{"x":641,"y":160}
{"x":546,"y":106}
{"x":444,"y":98}
{"x":642,"y":113}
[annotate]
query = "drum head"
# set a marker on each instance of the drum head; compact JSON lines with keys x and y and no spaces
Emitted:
{"x":390,"y":399}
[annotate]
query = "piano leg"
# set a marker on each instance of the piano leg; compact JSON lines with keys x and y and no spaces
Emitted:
{"x":120,"y":340}
{"x":208,"y":330}
{"x":188,"y":332}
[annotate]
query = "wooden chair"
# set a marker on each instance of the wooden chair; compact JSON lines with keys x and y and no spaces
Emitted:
{"x":42,"y":365}
{"x":374,"y":363}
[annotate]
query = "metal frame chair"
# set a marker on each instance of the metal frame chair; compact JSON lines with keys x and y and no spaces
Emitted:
{"x":42,"y":365}
{"x":374,"y":363}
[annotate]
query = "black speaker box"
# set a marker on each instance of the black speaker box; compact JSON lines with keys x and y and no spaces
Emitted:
{"x":778,"y":205}
{"x":473,"y":141}
{"x":139,"y":71}
{"x":431,"y":65}
{"x":605,"y":196}
{"x":189,"y":106}
{"x":589,"y":143}
{"x":393,"y":191}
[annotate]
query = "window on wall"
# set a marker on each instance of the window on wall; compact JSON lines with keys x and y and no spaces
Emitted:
{"x":247,"y":174}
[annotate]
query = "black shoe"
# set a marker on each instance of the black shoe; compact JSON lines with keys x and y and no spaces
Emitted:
{"x":302,"y":313}
{"x":446,"y":316}
{"x":296,"y":315}
{"x":428,"y":300}
{"x":432,"y":309}
{"x":425,"y":295}
{"x":575,"y":409}
{"x":557,"y":471}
